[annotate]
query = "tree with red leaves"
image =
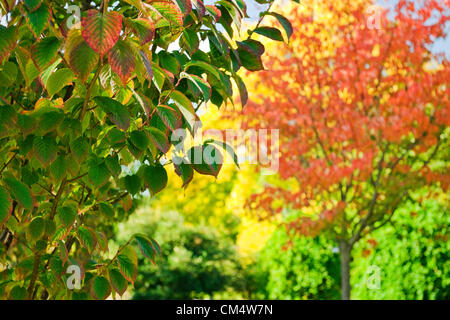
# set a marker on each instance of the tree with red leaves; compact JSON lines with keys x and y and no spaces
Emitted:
{"x":363,"y":112}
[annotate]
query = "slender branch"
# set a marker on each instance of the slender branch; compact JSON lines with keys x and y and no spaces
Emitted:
{"x":89,"y":89}
{"x":7,"y":163}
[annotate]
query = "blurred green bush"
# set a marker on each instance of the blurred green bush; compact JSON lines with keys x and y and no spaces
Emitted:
{"x":198,"y":262}
{"x":411,"y":257}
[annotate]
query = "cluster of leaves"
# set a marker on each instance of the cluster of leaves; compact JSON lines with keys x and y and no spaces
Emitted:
{"x":81,"y":101}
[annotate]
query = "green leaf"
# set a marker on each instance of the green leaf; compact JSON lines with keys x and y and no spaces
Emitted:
{"x":80,"y":149}
{"x":100,"y":288}
{"x":8,"y":41}
{"x":185,"y":6}
{"x":154,"y":177}
{"x":38,"y":19}
{"x":67,"y":215}
{"x":19,"y":192}
{"x":116,"y":111}
{"x":87,"y":238}
{"x":250,"y":52}
{"x":143,"y":29}
{"x":127,"y":267}
{"x":284,"y":22}
{"x":200,"y":84}
{"x":159,"y":139}
{"x":58,"y":80}
{"x":205,"y":66}
{"x":32,"y":4}
{"x":99,"y":175}
{"x":227,"y":148}
{"x":101,"y":31}
{"x":81,"y":58}
{"x":122,"y":59}
{"x":183,"y":170}
{"x":169,"y":11}
{"x":5,"y":206}
{"x":26,"y":123}
{"x":18,"y":293}
{"x":112,"y":162}
{"x":64,"y":255}
{"x":8,"y":74}
{"x":242,"y":90}
{"x":106,"y":209}
{"x":186,"y":109}
{"x":140,"y":139}
{"x":36,"y":228}
{"x":146,"y":247}
{"x":44,"y":52}
{"x":270,"y":32}
{"x":132,"y":183}
{"x":206,"y":160}
{"x":170,"y":117}
{"x":49,"y":121}
{"x":189,"y":40}
{"x":118,"y":282}
{"x":58,"y":169}
{"x":45,"y":149}
{"x":159,"y":77}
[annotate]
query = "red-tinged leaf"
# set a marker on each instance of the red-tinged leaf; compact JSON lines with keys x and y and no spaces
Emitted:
{"x":81,"y":58}
{"x":118,"y":282}
{"x":171,"y":118}
{"x":63,"y":253}
{"x":214,"y":12}
{"x":184,"y":171}
{"x":100,"y":289}
{"x":159,"y":139}
{"x":146,"y":247}
{"x":147,"y":64}
{"x":87,"y":238}
{"x":270,"y":32}
{"x":8,"y":41}
{"x":127,"y":267}
{"x":284,"y":22}
{"x":185,"y":6}
{"x":206,"y":159}
{"x":116,"y":111}
{"x":32,"y":4}
{"x":242,"y":90}
{"x":122,"y":60}
{"x":5,"y":206}
{"x":154,"y":177}
{"x":44,"y":52}
{"x":144,"y":102}
{"x":198,"y":85}
{"x":200,"y":7}
{"x":169,"y":11}
{"x":19,"y":192}
{"x":250,"y":52}
{"x":143,"y":29}
{"x":38,"y":19}
{"x":101,"y":31}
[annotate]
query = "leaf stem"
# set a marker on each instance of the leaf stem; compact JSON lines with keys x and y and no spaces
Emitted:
{"x":89,"y":90}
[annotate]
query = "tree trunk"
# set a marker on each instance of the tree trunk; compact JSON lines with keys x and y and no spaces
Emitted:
{"x":345,"y":255}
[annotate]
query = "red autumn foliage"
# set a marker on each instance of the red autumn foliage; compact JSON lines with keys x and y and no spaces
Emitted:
{"x":361,"y":123}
